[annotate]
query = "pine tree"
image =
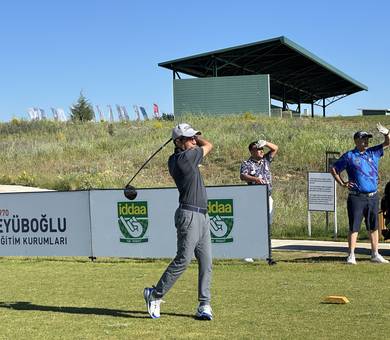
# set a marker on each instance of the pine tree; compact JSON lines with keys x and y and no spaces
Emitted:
{"x":82,"y":110}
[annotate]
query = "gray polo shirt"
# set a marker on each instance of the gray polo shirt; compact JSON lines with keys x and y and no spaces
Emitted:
{"x":184,"y":169}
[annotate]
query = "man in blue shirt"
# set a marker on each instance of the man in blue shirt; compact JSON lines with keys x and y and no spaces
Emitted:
{"x":361,"y":165}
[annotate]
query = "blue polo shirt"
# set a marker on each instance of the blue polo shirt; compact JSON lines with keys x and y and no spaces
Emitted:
{"x":362,"y":168}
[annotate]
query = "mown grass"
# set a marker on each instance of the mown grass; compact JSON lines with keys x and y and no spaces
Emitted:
{"x":77,"y":299}
{"x":70,"y":156}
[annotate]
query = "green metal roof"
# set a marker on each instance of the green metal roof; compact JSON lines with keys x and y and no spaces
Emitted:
{"x":296,"y":75}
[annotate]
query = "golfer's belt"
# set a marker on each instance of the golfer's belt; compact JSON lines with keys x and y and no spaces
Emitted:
{"x":364,"y":194}
{"x":193,"y":208}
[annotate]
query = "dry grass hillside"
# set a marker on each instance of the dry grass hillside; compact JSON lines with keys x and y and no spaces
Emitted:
{"x":69,"y":156}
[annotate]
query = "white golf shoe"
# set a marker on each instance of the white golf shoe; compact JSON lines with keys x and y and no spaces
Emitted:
{"x":351,"y":259}
{"x":378,"y":258}
{"x":152,"y":303}
{"x":204,"y":312}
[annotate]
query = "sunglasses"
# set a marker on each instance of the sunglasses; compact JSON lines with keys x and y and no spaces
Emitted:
{"x":184,"y":139}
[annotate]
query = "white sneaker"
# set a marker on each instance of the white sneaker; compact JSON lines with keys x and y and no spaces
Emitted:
{"x":351,"y":259}
{"x":378,"y":259}
{"x":204,"y":312}
{"x":152,"y":303}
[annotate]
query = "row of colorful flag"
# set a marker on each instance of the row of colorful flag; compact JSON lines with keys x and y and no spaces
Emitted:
{"x":36,"y":113}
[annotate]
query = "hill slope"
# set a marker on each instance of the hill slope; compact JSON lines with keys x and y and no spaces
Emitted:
{"x":68,"y":156}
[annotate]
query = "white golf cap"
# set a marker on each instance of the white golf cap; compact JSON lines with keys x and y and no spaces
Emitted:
{"x":184,"y":130}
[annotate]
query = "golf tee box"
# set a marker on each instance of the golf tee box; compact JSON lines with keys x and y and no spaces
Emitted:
{"x":336,"y":299}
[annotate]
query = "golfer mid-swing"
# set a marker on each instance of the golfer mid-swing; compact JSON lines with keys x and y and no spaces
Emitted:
{"x":191,"y":220}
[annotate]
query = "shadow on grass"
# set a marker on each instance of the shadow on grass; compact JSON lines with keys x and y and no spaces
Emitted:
{"x":330,"y":249}
{"x":326,"y":248}
{"x":28,"y":306}
{"x":322,"y":259}
{"x":315,"y":259}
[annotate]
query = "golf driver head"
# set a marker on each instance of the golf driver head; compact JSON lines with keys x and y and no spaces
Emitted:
{"x":130,"y":192}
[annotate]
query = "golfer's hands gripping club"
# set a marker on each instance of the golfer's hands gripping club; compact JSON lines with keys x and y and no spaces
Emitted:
{"x":204,"y":144}
{"x":384,"y":131}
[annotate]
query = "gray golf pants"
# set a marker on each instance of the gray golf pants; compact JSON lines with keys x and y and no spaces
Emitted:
{"x":193,"y":238}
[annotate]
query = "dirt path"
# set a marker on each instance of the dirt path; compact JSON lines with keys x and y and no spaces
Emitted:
{"x":19,"y":188}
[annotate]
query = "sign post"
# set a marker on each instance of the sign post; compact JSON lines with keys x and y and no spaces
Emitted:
{"x":321,"y":196}
{"x":330,"y":158}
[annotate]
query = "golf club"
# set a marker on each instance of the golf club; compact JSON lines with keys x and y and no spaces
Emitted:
{"x":130,"y":192}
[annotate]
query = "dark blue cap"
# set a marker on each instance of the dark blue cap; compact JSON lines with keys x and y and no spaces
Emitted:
{"x":362,"y":134}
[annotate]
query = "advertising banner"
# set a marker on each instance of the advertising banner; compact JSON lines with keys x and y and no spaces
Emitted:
{"x":45,"y":224}
{"x":104,"y":223}
{"x":145,"y":227}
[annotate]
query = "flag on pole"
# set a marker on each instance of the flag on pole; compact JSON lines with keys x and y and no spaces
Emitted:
{"x":120,"y":113}
{"x":94,"y":117}
{"x":101,"y":114}
{"x":125,"y":114}
{"x":42,"y":114}
{"x":135,"y":107}
{"x":61,"y":115}
{"x":156,"y":112}
{"x":144,"y":114}
{"x":55,"y":113}
{"x":37,"y":113}
{"x":110,"y":113}
{"x":33,"y":114}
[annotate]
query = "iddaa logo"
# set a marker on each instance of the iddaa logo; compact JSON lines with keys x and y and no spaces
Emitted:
{"x":221,"y":220}
{"x":133,"y":221}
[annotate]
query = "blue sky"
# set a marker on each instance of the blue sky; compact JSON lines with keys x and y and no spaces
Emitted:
{"x":109,"y":49}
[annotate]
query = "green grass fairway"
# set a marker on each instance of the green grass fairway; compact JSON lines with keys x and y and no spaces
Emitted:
{"x":72,"y":298}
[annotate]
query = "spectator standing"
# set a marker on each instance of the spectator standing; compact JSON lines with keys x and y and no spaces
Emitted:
{"x":361,"y":165}
{"x":257,"y":169}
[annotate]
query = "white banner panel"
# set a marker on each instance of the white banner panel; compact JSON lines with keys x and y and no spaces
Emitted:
{"x":45,"y":224}
{"x":145,"y":227}
{"x":321,"y":191}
